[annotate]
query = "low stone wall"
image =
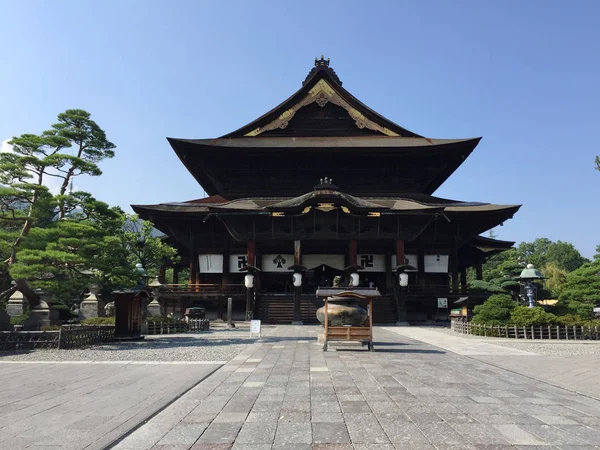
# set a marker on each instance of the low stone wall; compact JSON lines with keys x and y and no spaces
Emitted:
{"x":68,"y":337}
{"x":564,"y":332}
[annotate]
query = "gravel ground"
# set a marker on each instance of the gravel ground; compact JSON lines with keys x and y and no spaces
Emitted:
{"x":219,"y":344}
{"x":541,"y":347}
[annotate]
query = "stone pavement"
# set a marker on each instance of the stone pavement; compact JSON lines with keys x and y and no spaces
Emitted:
{"x":578,"y":373}
{"x":285,"y":393}
{"x":80,"y":405}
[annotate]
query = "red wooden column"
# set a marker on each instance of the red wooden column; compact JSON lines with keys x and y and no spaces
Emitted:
{"x":297,"y":290}
{"x":224,"y":282}
{"x":251,"y":255}
{"x":352,"y":252}
{"x":401,"y":318}
{"x":399,"y":252}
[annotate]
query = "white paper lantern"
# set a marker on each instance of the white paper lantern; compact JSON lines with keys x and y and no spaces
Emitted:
{"x":403,"y":279}
{"x":249,"y":281}
{"x":354,"y":279}
{"x":297,"y":279}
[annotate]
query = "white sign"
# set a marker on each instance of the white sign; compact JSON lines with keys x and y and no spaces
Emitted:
{"x":436,"y":263}
{"x":411,"y":260}
{"x":314,"y":261}
{"x":210,"y":263}
{"x":371,"y":263}
{"x":277,"y":262}
{"x":255,"y":327}
{"x":236,"y":262}
{"x":442,"y":303}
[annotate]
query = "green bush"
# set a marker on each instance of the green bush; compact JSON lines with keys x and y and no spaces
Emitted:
{"x":99,"y":321}
{"x":524,"y":316}
{"x":19,"y":320}
{"x":495,"y":311}
{"x":161,"y":319}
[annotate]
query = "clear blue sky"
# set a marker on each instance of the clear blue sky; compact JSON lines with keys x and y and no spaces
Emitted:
{"x":525,"y":75}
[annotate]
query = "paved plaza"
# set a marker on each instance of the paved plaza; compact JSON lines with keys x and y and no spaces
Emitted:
{"x":421,"y":389}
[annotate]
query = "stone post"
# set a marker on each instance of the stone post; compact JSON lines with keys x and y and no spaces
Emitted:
{"x":16,"y":304}
{"x":92,"y":306}
{"x":44,"y":313}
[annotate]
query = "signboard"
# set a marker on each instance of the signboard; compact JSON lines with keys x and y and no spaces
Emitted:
{"x":210,"y":263}
{"x":236,"y":262}
{"x":255,"y":327}
{"x":436,"y":263}
{"x":277,"y":262}
{"x":442,"y":303}
{"x":313,"y":261}
{"x":411,"y":260}
{"x":371,"y":263}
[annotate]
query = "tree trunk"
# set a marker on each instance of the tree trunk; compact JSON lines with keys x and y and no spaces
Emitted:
{"x":65,"y":184}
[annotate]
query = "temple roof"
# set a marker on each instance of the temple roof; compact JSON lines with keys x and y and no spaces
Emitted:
{"x":417,"y":204}
{"x":323,"y":87}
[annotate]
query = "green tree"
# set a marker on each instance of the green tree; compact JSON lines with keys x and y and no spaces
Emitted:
{"x":581,"y":292}
{"x":534,"y":252}
{"x":495,"y":310}
{"x":145,"y":246}
{"x":24,"y":197}
{"x":597,"y":163}
{"x":556,"y":278}
{"x":565,"y":256}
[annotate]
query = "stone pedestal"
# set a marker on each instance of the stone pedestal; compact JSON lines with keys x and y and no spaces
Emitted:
{"x":154,"y":308}
{"x":17,"y":305}
{"x":92,"y":306}
{"x":43,"y":314}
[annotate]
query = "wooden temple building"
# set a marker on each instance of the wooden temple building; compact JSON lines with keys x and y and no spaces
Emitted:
{"x":322,"y":185}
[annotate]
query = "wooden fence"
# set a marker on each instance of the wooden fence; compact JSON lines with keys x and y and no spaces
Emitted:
{"x":77,"y":336}
{"x":179,"y":326}
{"x":68,"y":337}
{"x":566,"y":332}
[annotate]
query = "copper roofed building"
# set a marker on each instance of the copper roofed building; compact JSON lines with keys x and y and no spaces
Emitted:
{"x":323,"y":185}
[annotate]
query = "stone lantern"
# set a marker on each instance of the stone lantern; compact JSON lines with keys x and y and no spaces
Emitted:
{"x":527,"y":277}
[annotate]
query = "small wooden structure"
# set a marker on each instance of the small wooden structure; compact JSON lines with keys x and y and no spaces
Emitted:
{"x":129,"y":313}
{"x":359,"y":333}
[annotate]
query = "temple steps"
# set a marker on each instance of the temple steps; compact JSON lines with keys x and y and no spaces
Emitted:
{"x":280,"y":310}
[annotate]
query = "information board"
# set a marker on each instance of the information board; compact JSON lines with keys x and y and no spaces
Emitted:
{"x":442,"y":303}
{"x":255,"y":327}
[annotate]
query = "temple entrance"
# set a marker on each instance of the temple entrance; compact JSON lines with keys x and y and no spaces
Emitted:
{"x":321,"y":276}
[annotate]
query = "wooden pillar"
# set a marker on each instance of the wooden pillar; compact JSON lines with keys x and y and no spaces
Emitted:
{"x":399,"y":252}
{"x":400,"y":292}
{"x":251,"y":255}
{"x":352,"y":252}
{"x":224,"y":283}
{"x":479,"y":270}
{"x":454,"y":269}
{"x":176,"y":270}
{"x":421,"y":263}
{"x":463,"y":279}
{"x":297,"y":290}
{"x":390,"y":275}
{"x":162,"y":272}
{"x":193,"y":268}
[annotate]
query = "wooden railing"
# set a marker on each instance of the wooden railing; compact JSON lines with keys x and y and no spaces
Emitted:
{"x":68,"y":337}
{"x":566,"y":332}
{"x":77,"y":336}
{"x":178,"y":326}
{"x":206,"y":289}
